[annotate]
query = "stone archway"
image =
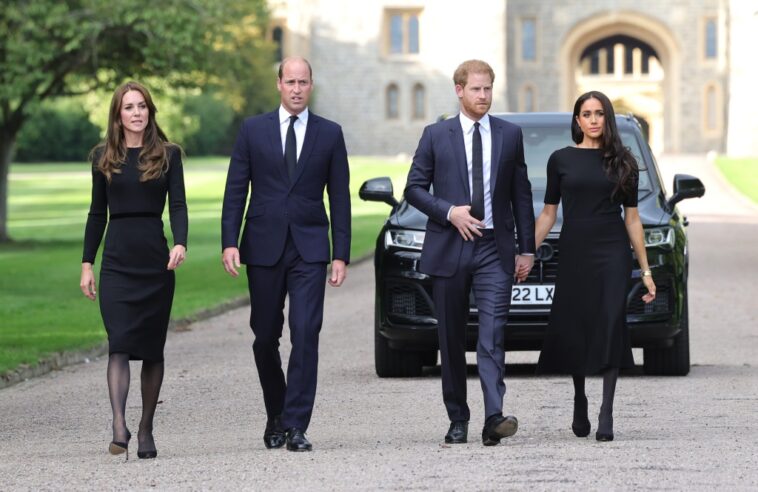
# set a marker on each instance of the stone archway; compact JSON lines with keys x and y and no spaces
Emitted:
{"x":633,"y":25}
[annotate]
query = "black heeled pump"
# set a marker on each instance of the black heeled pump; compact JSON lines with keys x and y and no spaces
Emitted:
{"x":116,"y":447}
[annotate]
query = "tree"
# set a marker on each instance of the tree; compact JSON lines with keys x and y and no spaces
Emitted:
{"x":52,"y":49}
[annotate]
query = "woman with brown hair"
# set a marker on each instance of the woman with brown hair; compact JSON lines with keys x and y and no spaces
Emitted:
{"x":133,"y":171}
{"x":587,"y":333}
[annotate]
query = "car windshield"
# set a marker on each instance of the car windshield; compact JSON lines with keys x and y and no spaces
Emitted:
{"x":541,"y":141}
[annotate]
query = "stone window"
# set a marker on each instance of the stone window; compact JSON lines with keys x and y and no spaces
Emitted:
{"x":712,"y":116}
{"x":419,"y":102}
{"x":711,"y":39}
{"x":529,"y":39}
{"x":402,"y":31}
{"x":392,"y":102}
{"x":276,"y":34}
{"x":527,"y":102}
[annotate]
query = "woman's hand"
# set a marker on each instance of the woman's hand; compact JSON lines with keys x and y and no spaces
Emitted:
{"x":87,"y":282}
{"x":176,"y":256}
{"x":650,"y":286}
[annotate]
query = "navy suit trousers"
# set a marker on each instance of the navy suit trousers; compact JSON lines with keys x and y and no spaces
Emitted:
{"x":304,"y":283}
{"x":480,"y":270}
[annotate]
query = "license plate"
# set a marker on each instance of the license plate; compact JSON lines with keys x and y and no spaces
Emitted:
{"x":532,"y":294}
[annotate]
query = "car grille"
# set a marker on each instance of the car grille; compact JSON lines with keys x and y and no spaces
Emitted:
{"x":545,"y":272}
{"x":407,"y":300}
{"x":662,"y":303}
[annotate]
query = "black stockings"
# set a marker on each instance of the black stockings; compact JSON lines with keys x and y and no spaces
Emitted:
{"x":581,"y":423}
{"x":118,"y":389}
{"x":605,"y":419}
{"x":152,"y":378}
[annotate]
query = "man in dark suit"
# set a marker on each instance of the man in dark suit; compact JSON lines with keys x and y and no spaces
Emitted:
{"x":287,"y":157}
{"x":474,"y":166}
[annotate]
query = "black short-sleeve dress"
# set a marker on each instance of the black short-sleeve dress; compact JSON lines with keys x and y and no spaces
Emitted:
{"x":136,"y":288}
{"x":587,"y":332}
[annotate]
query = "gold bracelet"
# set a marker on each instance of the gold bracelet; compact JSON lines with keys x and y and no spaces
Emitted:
{"x":646,"y":273}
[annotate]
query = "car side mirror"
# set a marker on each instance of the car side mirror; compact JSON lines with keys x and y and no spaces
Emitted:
{"x":378,"y":190}
{"x":686,"y":186}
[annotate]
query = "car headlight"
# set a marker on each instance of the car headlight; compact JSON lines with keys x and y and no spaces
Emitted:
{"x":404,"y":239}
{"x":660,"y":237}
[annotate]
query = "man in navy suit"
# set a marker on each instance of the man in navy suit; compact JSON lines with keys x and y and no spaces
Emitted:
{"x":474,"y":166}
{"x":286,"y":158}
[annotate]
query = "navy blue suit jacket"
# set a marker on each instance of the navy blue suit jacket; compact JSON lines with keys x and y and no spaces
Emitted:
{"x":440,"y":162}
{"x":278,"y":203}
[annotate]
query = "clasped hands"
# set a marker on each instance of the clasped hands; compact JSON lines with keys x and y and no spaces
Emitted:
{"x":469,"y":226}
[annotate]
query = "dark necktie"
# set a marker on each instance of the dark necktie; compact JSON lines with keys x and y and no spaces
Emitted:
{"x":290,"y":148}
{"x":477,"y":175}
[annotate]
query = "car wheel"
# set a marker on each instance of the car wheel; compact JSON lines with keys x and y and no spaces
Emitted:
{"x":429,"y":357}
{"x":674,"y":360}
{"x":393,"y":363}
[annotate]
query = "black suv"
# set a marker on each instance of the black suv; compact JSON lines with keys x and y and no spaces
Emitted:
{"x":405,"y":327}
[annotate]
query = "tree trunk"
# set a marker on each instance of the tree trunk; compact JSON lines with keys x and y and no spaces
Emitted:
{"x":7,"y":140}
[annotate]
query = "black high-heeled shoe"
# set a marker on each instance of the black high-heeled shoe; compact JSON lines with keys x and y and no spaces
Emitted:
{"x":582,"y":429}
{"x":147,"y":455}
{"x":117,"y":447}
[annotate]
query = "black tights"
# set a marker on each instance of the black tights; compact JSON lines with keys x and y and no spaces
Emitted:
{"x":605,"y":419}
{"x":118,"y":390}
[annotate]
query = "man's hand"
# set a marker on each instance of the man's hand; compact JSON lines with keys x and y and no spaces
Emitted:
{"x":231,"y":260}
{"x":339,"y":272}
{"x":467,"y":225}
{"x":524,"y":264}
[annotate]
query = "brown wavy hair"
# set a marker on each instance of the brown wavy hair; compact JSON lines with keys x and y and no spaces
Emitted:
{"x":620,"y":164}
{"x":109,"y":155}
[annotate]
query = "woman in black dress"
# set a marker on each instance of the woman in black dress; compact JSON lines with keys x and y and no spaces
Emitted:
{"x":587,"y":333}
{"x":132,"y":172}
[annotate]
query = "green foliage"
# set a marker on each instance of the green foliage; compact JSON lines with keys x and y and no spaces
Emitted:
{"x":214,"y":133}
{"x":57,"y":132}
{"x":52,"y":48}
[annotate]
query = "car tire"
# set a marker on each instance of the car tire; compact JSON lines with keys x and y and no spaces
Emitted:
{"x":429,"y":357}
{"x":674,"y":360}
{"x":393,"y":363}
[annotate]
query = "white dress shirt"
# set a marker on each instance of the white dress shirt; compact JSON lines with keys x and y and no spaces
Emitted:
{"x":467,"y":125}
{"x":300,"y":125}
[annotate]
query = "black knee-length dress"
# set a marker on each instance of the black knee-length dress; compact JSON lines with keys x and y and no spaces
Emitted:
{"x":587,"y":332}
{"x":136,"y":288}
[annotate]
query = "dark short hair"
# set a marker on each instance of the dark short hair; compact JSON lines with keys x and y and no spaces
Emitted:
{"x":293,"y":58}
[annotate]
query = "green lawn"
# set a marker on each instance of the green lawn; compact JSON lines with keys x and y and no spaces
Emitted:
{"x":742,"y":173}
{"x":43,"y":310}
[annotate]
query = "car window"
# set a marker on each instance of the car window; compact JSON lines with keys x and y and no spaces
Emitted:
{"x":541,"y":141}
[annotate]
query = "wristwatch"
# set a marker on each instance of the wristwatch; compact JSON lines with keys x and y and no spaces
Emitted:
{"x":646,"y":273}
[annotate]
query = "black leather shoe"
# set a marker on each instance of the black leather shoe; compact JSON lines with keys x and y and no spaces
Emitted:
{"x":497,"y":427}
{"x":274,"y":435}
{"x":602,"y":437}
{"x":581,"y":429}
{"x":457,"y":433}
{"x":296,"y":441}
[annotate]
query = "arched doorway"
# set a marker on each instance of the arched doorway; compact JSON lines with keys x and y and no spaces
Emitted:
{"x":629,"y":72}
{"x":634,"y":60}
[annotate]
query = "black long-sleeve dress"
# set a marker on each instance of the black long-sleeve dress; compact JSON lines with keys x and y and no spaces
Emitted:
{"x":136,"y":288}
{"x":587,"y":332}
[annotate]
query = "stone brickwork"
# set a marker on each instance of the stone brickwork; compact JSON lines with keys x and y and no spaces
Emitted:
{"x":346,"y":41}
